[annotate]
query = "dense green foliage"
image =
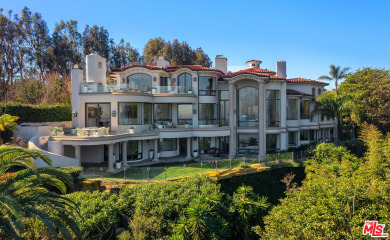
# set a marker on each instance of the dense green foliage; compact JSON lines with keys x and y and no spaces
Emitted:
{"x":370,"y":90}
{"x":178,"y":53}
{"x":100,"y":214}
{"x":7,"y":126}
{"x":340,"y":192}
{"x":37,"y":113}
{"x":25,"y":197}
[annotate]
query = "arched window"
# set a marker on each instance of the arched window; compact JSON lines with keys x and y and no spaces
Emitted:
{"x":248,"y":107}
{"x":184,"y":83}
{"x":319,"y":91}
{"x":140,"y":82}
{"x":313,"y":92}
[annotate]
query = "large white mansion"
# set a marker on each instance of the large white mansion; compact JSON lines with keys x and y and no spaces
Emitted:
{"x":145,"y":112}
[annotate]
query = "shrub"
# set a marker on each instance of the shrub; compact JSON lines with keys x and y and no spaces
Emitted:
{"x":163,"y":203}
{"x":355,"y":146}
{"x":74,"y":171}
{"x":99,"y":214}
{"x":37,"y":113}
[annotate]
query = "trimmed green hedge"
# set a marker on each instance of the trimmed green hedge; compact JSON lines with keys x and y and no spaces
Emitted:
{"x":37,"y":113}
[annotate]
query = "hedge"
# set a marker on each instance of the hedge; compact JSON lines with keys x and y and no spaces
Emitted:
{"x":37,"y":113}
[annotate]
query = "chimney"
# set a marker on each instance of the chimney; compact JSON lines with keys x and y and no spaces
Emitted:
{"x":77,"y":79}
{"x":221,"y":63}
{"x":254,"y":63}
{"x":163,"y":62}
{"x":96,"y":69}
{"x":281,"y":69}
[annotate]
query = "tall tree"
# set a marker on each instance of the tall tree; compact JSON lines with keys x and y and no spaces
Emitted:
{"x":336,"y":74}
{"x":67,"y":46}
{"x":153,"y":48}
{"x":370,"y":91}
{"x":123,"y":54}
{"x":96,"y":40}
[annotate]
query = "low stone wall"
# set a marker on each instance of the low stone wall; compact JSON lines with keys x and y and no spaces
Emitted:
{"x":57,"y":160}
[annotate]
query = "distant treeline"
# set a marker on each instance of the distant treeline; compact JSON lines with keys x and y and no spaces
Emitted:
{"x":35,"y":63}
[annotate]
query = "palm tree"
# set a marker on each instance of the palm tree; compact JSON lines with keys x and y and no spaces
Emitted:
{"x":24,"y":195}
{"x":248,"y":207}
{"x":332,"y":106}
{"x":336,"y":74}
{"x":202,"y":221}
{"x":7,"y":122}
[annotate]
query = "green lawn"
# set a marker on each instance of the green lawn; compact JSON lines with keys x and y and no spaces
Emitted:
{"x":158,"y":172}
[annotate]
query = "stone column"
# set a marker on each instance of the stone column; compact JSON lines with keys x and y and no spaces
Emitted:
{"x":262,"y":116}
{"x":188,"y":148}
{"x":124,"y":154}
{"x":77,"y":150}
{"x":110,"y":157}
{"x":155,"y":157}
{"x":283,"y":116}
{"x":232,"y":138}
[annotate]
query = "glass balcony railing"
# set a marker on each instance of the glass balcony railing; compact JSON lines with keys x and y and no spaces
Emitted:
{"x":125,"y":88}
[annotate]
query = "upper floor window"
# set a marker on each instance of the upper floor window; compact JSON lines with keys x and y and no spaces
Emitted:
{"x":100,"y":65}
{"x":248,"y":107}
{"x":129,"y":113}
{"x":319,"y":91}
{"x":184,"y":83}
{"x":292,"y":109}
{"x":140,"y":82}
{"x":162,"y":113}
{"x":184,"y":114}
{"x":313,"y":92}
{"x":273,"y":108}
{"x":207,"y":86}
{"x":207,"y":114}
{"x":304,"y":109}
{"x":224,"y":108}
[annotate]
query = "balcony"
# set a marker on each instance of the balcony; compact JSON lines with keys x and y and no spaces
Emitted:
{"x":125,"y":88}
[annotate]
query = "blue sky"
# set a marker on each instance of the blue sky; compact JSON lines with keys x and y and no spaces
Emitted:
{"x":309,"y":35}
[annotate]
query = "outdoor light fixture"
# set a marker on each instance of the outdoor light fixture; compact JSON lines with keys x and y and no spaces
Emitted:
{"x":74,"y":114}
{"x":113,"y":113}
{"x":154,"y":79}
{"x":194,"y":79}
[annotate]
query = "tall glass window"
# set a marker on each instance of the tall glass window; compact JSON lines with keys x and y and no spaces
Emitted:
{"x":273,"y":108}
{"x":129,"y":113}
{"x":304,"y":135}
{"x":272,"y":142}
{"x":184,"y":114}
{"x":147,"y":113}
{"x":224,"y":108}
{"x":292,"y":109}
{"x":248,"y":143}
{"x":304,"y":109}
{"x":167,"y":144}
{"x":207,"y":144}
{"x":134,"y":150}
{"x":248,"y":107}
{"x":292,"y":138}
{"x":162,"y":113}
{"x":140,"y":82}
{"x":207,"y":114}
{"x":166,"y":85}
{"x":184,"y":83}
{"x":207,"y":86}
{"x":98,"y":115}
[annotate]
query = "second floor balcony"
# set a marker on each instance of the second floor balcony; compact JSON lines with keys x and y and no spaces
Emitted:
{"x":93,"y":88}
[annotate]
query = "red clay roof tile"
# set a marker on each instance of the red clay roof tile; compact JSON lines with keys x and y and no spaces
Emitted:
{"x":304,"y":80}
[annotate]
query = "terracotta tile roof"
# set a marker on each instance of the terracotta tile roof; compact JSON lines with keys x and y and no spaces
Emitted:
{"x":304,"y":80}
{"x":151,"y":67}
{"x":254,"y":71}
{"x":170,"y":68}
{"x":192,"y":67}
{"x":294,"y":92}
